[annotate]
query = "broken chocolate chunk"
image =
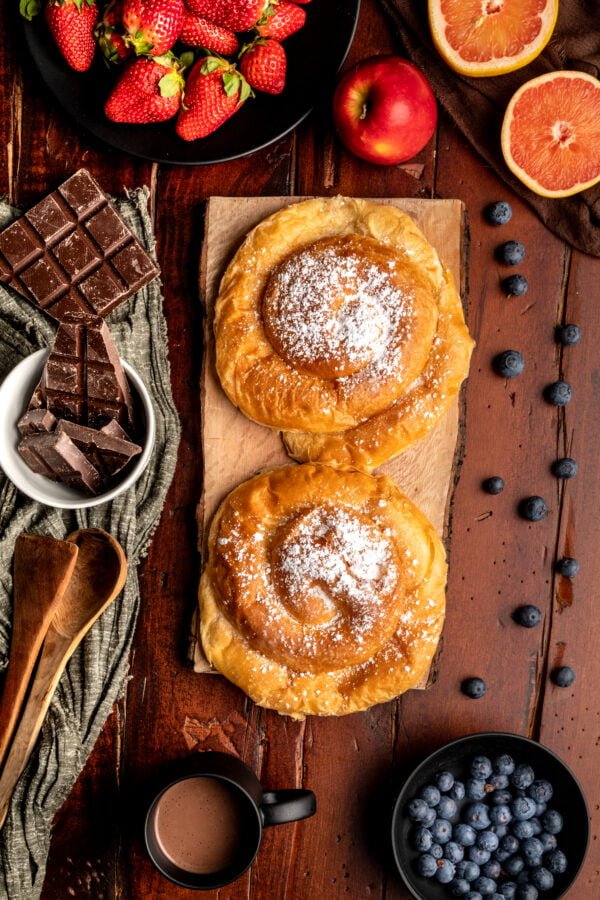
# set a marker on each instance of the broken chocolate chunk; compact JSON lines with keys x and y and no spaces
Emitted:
{"x":107,"y":454}
{"x":58,"y":458}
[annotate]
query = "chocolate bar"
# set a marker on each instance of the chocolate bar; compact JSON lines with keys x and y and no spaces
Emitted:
{"x":58,"y":458}
{"x":83,"y":379}
{"x":107,"y":454}
{"x":73,"y":252}
{"x":36,"y":420}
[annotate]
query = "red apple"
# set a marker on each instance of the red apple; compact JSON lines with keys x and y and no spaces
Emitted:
{"x":384,"y":110}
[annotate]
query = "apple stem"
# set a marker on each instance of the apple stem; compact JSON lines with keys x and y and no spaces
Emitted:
{"x":363,"y":112}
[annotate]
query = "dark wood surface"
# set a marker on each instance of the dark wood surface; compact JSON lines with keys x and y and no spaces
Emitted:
{"x":498,"y":561}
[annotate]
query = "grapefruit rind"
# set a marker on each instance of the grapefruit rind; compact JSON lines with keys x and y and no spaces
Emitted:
{"x":497,"y":66}
{"x":505,"y":137}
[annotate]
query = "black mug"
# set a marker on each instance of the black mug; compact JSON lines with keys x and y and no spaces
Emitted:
{"x":258,"y":809}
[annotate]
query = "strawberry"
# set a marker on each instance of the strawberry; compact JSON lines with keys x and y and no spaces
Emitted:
{"x":237,"y":15}
{"x":109,"y":34}
{"x":215,"y":90}
{"x":72,"y":23}
{"x":152,"y":26}
{"x":263,"y":64}
{"x":198,"y":32}
{"x":281,"y":19}
{"x":149,"y":90}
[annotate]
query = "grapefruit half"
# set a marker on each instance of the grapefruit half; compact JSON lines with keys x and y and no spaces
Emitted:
{"x":490,"y":37}
{"x":551,"y":133}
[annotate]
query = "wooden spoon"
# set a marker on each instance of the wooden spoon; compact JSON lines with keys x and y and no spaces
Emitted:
{"x":42,"y":570}
{"x":98,"y":577}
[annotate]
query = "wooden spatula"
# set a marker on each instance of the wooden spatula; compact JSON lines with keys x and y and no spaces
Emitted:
{"x":42,"y":570}
{"x":98,"y":577}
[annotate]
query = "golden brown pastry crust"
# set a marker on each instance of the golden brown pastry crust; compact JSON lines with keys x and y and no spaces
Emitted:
{"x":383,"y":436}
{"x":323,"y":593}
{"x":266,"y":387}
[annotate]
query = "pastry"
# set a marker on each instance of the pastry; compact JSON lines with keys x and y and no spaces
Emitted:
{"x":323,"y":593}
{"x":326,"y":314}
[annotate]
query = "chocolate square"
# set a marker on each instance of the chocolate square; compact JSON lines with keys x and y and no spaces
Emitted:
{"x":108,"y":229}
{"x":19,"y":245}
{"x":44,"y":280}
{"x":49,"y":219}
{"x":133,"y":265}
{"x":82,"y":193}
{"x":35,"y":421}
{"x":101,"y":289}
{"x":76,"y":254}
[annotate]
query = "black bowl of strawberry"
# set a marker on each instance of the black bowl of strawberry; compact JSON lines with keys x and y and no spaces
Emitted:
{"x":313,"y":53}
{"x":493,"y":816}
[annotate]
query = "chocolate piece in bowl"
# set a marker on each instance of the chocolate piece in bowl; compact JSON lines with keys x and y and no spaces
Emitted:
{"x":107,"y":454}
{"x":83,"y":379}
{"x":72,"y":252}
{"x":58,"y":458}
{"x":35,"y":421}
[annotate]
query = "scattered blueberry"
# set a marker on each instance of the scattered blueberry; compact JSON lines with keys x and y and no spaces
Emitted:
{"x":510,"y":843}
{"x":474,"y":688}
{"x":475,"y":789}
{"x":493,"y":485}
{"x":556,"y":862}
{"x":467,"y":870}
{"x":552,"y":821}
{"x":445,"y":871}
{"x":511,"y":253}
{"x":559,"y":393}
{"x":548,"y":840}
{"x":492,"y":869}
{"x":532,"y":849}
{"x":446,"y":808}
{"x":485,"y":886}
{"x":498,"y":782}
{"x":567,"y":567}
{"x":430,"y":795}
{"x":441,"y":831}
{"x":508,"y":890}
{"x":563,"y":676}
{"x":533,"y":508}
{"x":481,"y":767}
{"x":500,"y":815}
{"x":473,"y":895}
{"x":514,"y":865}
{"x":464,"y":834}
{"x":498,"y":213}
{"x":454,"y":852}
{"x":422,"y":839}
{"x":487,"y":840}
{"x":416,"y":810}
{"x":564,"y":468}
{"x":476,"y":815}
{"x":528,"y":616}
{"x":536,"y":824}
{"x":429,"y":817}
{"x":523,"y":808}
{"x":541,"y":791}
{"x":504,"y":764}
{"x":526,"y":892}
{"x":459,"y":887}
{"x":542,"y":879}
{"x":437,"y":851}
{"x":509,"y":364}
{"x":568,"y":335}
{"x":522,"y":776}
{"x":479,"y":856}
{"x":444,"y":781}
{"x":426,"y":866}
{"x":522,"y":829}
{"x":515,"y":285}
{"x":457,"y":791}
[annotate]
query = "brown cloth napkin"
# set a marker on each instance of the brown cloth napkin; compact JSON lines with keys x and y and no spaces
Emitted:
{"x":477,"y":104}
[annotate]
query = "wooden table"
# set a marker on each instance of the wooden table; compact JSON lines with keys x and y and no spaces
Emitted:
{"x":498,"y":561}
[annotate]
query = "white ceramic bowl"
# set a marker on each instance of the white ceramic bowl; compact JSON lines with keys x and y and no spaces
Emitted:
{"x":15,"y":392}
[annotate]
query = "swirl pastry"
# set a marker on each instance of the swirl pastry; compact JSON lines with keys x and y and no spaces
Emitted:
{"x":323,"y":593}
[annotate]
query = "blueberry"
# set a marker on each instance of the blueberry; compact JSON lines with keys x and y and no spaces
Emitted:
{"x":510,"y":843}
{"x":542,"y":879}
{"x":421,"y":839}
{"x":416,"y":809}
{"x":481,"y":767}
{"x":552,"y":821}
{"x":464,"y":834}
{"x":429,"y":817}
{"x":564,"y":468}
{"x":446,"y":808}
{"x":430,"y":795}
{"x":548,"y":840}
{"x":467,"y":870}
{"x":445,"y":871}
{"x":508,"y":890}
{"x":563,"y":676}
{"x":476,"y":815}
{"x":485,"y":886}
{"x":437,"y":851}
{"x":501,"y":798}
{"x":523,"y":877}
{"x":501,"y":855}
{"x":444,"y":781}
{"x":567,"y":567}
{"x":528,"y":616}
{"x":523,"y":829}
{"x":515,"y":285}
{"x":522,"y":777}
{"x":540,"y":808}
{"x":475,"y":789}
{"x":523,"y":808}
{"x":556,"y":862}
{"x":479,"y":856}
{"x":559,"y":393}
{"x":541,"y":791}
{"x":504,"y":764}
{"x":498,"y":213}
{"x":454,"y":852}
{"x":568,"y":335}
{"x":498,"y":782}
{"x":473,"y":895}
{"x":527,"y":892}
{"x":514,"y":865}
{"x":441,"y":831}
{"x":492,"y":869}
{"x":509,"y":364}
{"x":511,"y":253}
{"x":474,"y":688}
{"x":536,"y":825}
{"x":457,"y":791}
{"x":459,"y":887}
{"x":487,"y":840}
{"x":500,"y":815}
{"x":493,"y":485}
{"x":426,"y":866}
{"x":533,"y":508}
{"x":531,"y":849}
{"x":500,"y":830}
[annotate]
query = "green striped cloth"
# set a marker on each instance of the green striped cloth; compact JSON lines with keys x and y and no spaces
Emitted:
{"x":96,"y":674}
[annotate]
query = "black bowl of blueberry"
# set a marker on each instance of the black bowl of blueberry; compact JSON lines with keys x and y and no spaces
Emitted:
{"x":490,"y":817}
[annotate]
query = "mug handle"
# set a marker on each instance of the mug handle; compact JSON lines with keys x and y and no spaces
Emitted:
{"x":278,"y":807}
